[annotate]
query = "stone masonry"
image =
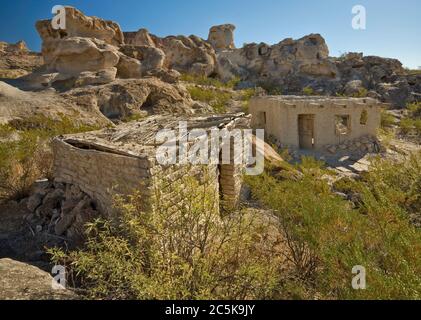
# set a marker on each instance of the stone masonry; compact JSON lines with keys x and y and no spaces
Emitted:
{"x":317,"y":123}
{"x":123,"y":159}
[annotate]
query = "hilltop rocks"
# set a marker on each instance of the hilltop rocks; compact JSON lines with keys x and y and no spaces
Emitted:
{"x":289,"y":64}
{"x":222,"y":37}
{"x":79,"y":25}
{"x":75,"y":55}
{"x":185,"y":54}
{"x":16,"y":60}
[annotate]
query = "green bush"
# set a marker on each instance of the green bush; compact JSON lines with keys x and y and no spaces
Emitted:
{"x":190,"y":254}
{"x":25,"y":155}
{"x":217,"y":99}
{"x":406,"y":125}
{"x":327,"y":236}
{"x":207,"y":81}
{"x":387,"y":120}
{"x":308,"y":91}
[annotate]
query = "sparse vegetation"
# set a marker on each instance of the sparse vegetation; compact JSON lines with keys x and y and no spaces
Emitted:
{"x":308,"y":91}
{"x":207,"y":81}
{"x":217,"y":99}
{"x":192,"y":254}
{"x":327,"y":235}
{"x":25,"y":155}
{"x":387,"y":120}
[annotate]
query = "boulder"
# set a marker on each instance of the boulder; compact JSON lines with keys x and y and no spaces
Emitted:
{"x":75,"y":55}
{"x":20,"y":281}
{"x":125,"y":97}
{"x":139,"y":38}
{"x":353,"y":87}
{"x":222,"y":37}
{"x":79,"y":25}
{"x":185,"y":54}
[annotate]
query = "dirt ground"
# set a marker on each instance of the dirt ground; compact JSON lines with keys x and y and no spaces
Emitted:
{"x":19,"y":240}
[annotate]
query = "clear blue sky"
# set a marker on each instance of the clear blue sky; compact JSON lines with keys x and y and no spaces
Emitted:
{"x":393,"y":27}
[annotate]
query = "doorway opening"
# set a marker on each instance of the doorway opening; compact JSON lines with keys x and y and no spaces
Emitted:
{"x":306,"y":131}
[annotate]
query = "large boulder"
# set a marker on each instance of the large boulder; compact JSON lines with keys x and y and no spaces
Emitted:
{"x":124,"y":98}
{"x":20,"y":281}
{"x":222,"y":37}
{"x":282,"y":63}
{"x":80,"y":25}
{"x":75,"y":55}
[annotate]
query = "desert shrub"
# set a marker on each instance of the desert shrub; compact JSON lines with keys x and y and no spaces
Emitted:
{"x":190,"y":254}
{"x":208,"y":81}
{"x":333,"y":235}
{"x":308,"y":91}
{"x":362,"y":93}
{"x":217,"y":99}
{"x":25,"y":155}
{"x":414,"y":110}
{"x":387,"y":120}
{"x":406,"y":126}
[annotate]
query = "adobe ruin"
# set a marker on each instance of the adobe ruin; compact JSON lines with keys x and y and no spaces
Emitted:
{"x":121,"y":160}
{"x":318,"y":123}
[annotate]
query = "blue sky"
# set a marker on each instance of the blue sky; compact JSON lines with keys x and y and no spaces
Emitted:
{"x":393,"y":27}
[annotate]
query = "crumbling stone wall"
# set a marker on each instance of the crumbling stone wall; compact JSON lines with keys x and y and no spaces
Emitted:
{"x":99,"y":174}
{"x":279,"y":117}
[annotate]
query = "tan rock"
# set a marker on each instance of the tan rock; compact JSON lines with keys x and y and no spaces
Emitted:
{"x":75,"y":55}
{"x":79,"y":25}
{"x":222,"y":37}
{"x":20,"y":281}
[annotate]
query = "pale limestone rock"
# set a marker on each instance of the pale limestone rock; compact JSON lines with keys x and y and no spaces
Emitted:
{"x":79,"y":25}
{"x":222,"y":37}
{"x":278,"y":63}
{"x":20,"y":281}
{"x":185,"y":54}
{"x":129,"y":68}
{"x":75,"y":55}
{"x":139,"y":38}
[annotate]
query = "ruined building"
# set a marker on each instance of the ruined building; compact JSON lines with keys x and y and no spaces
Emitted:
{"x":318,"y":123}
{"x":123,"y":159}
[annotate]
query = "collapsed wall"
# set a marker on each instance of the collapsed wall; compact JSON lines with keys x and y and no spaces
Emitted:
{"x":123,"y":160}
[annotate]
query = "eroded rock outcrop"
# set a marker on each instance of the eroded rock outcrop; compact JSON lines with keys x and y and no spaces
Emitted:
{"x":16,"y":60}
{"x":185,"y":54}
{"x":80,"y":25}
{"x":20,"y":281}
{"x":124,"y":98}
{"x":222,"y":37}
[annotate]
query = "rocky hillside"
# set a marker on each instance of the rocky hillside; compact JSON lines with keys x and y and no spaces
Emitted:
{"x":16,"y":60}
{"x":287,"y":67}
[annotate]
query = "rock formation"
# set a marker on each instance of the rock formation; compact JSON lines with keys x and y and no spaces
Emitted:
{"x":20,"y":281}
{"x":222,"y":37}
{"x":79,"y":25}
{"x":185,"y":54}
{"x":16,"y":60}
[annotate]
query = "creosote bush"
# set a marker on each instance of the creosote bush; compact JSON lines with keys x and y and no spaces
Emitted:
{"x":217,"y":99}
{"x":25,"y":155}
{"x":327,"y":236}
{"x":192,"y":253}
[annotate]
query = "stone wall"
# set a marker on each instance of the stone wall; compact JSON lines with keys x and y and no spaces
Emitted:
{"x":279,"y":117}
{"x":99,"y":174}
{"x":174,"y":190}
